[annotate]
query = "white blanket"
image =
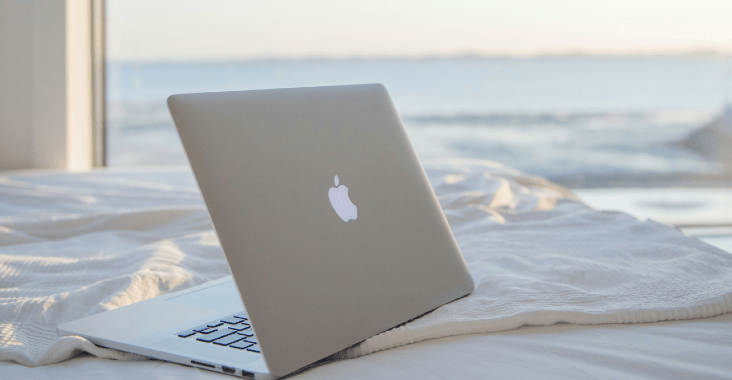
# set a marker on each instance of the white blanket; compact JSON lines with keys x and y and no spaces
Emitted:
{"x":72,"y":245}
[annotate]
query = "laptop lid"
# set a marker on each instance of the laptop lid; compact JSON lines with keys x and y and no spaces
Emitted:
{"x":329,"y":224}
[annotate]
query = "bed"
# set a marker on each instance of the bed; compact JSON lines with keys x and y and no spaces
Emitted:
{"x":563,"y":291}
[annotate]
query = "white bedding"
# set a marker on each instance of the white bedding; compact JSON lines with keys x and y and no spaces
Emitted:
{"x":691,"y":349}
{"x":77,"y":244}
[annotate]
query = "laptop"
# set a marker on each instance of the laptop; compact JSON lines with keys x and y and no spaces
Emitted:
{"x":327,"y":220}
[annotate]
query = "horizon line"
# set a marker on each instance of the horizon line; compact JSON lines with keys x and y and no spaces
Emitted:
{"x":467,"y":55}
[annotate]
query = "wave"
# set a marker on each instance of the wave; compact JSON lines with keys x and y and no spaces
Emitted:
{"x":146,"y":115}
{"x":664,"y":117}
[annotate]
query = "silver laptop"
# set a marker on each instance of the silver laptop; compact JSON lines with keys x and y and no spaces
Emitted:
{"x":328,"y":222}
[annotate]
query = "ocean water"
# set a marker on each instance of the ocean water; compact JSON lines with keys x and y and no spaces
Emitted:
{"x":581,"y":121}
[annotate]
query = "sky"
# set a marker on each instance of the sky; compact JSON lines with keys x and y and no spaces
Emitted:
{"x":226,"y":30}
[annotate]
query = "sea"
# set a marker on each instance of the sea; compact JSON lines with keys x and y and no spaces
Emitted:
{"x":581,"y":121}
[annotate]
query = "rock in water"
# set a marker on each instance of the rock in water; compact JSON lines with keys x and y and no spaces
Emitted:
{"x":714,"y":140}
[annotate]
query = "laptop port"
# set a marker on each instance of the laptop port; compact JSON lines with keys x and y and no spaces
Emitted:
{"x":227,"y":369}
{"x":203,"y":364}
{"x":247,"y":374}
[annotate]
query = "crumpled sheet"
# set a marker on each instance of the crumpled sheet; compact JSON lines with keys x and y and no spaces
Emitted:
{"x":76,"y":244}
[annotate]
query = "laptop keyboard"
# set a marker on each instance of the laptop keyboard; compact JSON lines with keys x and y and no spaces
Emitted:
{"x":233,"y":331}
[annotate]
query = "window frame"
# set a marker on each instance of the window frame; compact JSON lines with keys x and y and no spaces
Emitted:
{"x":99,"y":99}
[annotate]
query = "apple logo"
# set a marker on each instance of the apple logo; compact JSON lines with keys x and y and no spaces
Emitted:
{"x":342,"y":205}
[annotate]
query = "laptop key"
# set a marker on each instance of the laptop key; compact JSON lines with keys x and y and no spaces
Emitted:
{"x":206,"y":330}
{"x":253,"y":350}
{"x":240,"y":327}
{"x":215,"y":335}
{"x":227,"y":340}
{"x":241,"y":316}
{"x":186,"y":334}
{"x":214,"y":324}
{"x":231,"y":320}
{"x":242,"y":344}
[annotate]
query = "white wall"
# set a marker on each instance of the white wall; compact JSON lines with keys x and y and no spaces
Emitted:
{"x":16,"y":96}
{"x":45,"y":84}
